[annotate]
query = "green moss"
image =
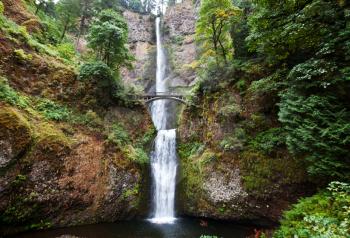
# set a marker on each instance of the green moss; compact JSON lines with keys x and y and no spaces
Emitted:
{"x":1,"y":8}
{"x":147,"y":138}
{"x":49,"y":137}
{"x":21,"y":56}
{"x":234,"y":142}
{"x":19,"y":180}
{"x":131,"y":192}
{"x":262,"y":174}
{"x":19,"y":211}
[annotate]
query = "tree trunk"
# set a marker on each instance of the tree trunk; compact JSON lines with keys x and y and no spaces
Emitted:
{"x":64,"y":31}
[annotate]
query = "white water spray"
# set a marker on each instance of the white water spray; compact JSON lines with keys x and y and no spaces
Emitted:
{"x":163,"y":160}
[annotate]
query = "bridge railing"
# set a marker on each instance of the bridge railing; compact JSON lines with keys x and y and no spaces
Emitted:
{"x":154,"y":94}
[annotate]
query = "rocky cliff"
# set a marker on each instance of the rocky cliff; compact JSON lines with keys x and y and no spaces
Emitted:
{"x":66,"y":158}
{"x":178,"y":37}
{"x":234,"y":164}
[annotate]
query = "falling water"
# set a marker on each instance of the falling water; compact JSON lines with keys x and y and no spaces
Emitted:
{"x":163,"y":161}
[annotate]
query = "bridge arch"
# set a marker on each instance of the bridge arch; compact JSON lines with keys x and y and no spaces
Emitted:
{"x":155,"y":98}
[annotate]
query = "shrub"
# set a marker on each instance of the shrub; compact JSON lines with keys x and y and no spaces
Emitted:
{"x":66,"y":51}
{"x":52,"y":110}
{"x":234,"y":142}
{"x":119,"y":135}
{"x":136,"y":154}
{"x":10,"y":96}
{"x":269,"y":140}
{"x":326,"y":214}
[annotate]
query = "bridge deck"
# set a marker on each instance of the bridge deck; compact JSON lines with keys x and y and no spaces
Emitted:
{"x":147,"y":98}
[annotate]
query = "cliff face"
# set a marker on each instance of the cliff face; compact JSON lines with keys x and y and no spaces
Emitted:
{"x":58,"y":175}
{"x":233,"y":161}
{"x":61,"y":158}
{"x":142,"y":45}
{"x":178,"y":30}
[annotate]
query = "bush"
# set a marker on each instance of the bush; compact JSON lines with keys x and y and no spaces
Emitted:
{"x":10,"y":96}
{"x":107,"y":81}
{"x":234,"y":142}
{"x":137,"y":155}
{"x":53,"y":111}
{"x":326,"y":214}
{"x":66,"y":51}
{"x":119,"y":136}
{"x":268,"y":141}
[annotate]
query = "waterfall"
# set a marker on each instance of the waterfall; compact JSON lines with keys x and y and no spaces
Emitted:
{"x":163,"y":159}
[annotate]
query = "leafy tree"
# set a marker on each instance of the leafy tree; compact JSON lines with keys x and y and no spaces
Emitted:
{"x":310,"y":40}
{"x":108,"y":37}
{"x":213,"y":27}
{"x":68,"y":11}
{"x":86,"y":12}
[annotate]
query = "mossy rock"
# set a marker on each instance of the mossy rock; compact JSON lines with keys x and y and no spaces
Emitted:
{"x":263,"y":175}
{"x":50,"y":144}
{"x":15,"y":135}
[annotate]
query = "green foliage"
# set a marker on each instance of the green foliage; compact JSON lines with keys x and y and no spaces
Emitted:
{"x":119,"y":135}
{"x":96,"y":70}
{"x":325,"y":214}
{"x":234,"y":142}
{"x":213,"y":28}
{"x":136,"y":154}
{"x":66,"y":51}
{"x":319,"y":128}
{"x":68,"y":11}
{"x":147,"y":138}
{"x":263,"y":175}
{"x":186,"y":150}
{"x":268,"y":141}
{"x":21,"y":56}
{"x":1,"y":8}
{"x":306,"y":45}
{"x":20,"y":179}
{"x":208,"y":236}
{"x":107,"y":81}
{"x":52,"y":110}
{"x":7,"y":94}
{"x":108,"y":37}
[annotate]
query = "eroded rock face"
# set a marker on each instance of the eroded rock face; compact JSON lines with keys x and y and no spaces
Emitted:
{"x":224,"y":188}
{"x":142,"y":46}
{"x":179,"y":22}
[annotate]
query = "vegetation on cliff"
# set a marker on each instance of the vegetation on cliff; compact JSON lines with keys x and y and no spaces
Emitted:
{"x":61,"y":162}
{"x":276,"y":106}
